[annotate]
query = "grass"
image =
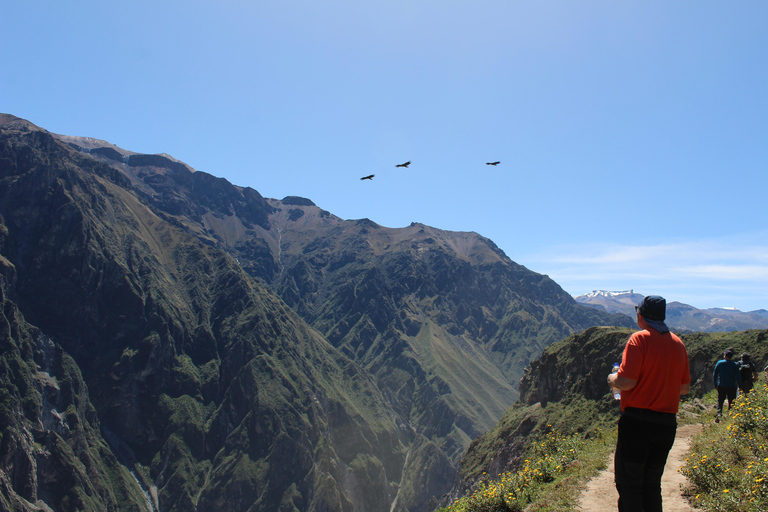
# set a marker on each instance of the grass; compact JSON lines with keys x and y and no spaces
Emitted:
{"x":728,"y":465}
{"x":549,"y":479}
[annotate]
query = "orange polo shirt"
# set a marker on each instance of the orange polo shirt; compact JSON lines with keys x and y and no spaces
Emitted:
{"x":659,"y":364}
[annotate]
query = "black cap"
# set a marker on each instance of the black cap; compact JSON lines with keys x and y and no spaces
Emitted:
{"x":653,"y":307}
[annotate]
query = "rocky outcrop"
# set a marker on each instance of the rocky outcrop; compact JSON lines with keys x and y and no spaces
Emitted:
{"x":575,"y":366}
{"x":297,"y":201}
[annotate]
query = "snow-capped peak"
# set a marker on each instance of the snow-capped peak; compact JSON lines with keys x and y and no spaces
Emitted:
{"x":604,"y":293}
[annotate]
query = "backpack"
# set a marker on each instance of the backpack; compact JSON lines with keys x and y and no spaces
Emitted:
{"x":746,"y":370}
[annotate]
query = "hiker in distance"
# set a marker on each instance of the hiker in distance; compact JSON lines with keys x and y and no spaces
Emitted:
{"x":653,"y":375}
{"x":727,"y":380}
{"x":747,"y":372}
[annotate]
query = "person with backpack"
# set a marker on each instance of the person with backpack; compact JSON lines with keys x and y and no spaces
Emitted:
{"x":727,"y":381}
{"x":748,"y":372}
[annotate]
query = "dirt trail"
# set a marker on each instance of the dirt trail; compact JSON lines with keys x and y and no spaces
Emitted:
{"x":601,"y":496}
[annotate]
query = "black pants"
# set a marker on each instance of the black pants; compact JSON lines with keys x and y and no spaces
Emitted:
{"x":641,"y":454}
{"x":722,"y":394}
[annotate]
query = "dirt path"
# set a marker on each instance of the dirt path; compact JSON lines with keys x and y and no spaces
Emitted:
{"x":600,"y":494}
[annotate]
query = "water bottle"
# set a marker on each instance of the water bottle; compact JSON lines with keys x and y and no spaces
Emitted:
{"x":616,"y":392}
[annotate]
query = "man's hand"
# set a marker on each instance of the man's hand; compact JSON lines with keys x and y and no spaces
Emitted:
{"x":621,"y":383}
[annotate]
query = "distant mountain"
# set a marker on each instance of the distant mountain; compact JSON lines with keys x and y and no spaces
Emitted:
{"x":689,"y":319}
{"x":623,"y":302}
{"x":681,"y":317}
{"x":174,"y":342}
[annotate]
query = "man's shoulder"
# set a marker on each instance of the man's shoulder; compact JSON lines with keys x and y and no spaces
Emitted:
{"x":639,"y":336}
{"x":645,"y":334}
{"x":676,"y":337}
{"x":667,"y":342}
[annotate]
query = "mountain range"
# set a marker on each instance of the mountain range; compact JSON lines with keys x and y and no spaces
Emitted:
{"x":680,"y":317}
{"x":172,"y":341}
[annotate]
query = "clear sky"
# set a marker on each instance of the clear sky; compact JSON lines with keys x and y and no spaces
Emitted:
{"x":632,"y":134}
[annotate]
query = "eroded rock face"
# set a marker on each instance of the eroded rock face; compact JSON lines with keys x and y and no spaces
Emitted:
{"x":52,"y":456}
{"x":202,"y":382}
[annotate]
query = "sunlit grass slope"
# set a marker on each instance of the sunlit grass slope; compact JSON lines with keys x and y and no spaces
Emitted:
{"x":728,"y":465}
{"x":549,"y":478}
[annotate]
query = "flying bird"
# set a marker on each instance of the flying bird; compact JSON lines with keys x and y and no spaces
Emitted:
{"x":369,"y":177}
{"x":492,"y":163}
{"x":406,"y":164}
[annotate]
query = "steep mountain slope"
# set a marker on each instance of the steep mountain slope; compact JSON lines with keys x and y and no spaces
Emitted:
{"x":205,"y":384}
{"x":153,"y":278}
{"x":444,"y":321}
{"x":681,"y":317}
{"x":51,"y":450}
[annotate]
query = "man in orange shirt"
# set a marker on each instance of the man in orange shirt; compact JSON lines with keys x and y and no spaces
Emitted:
{"x":653,"y":374}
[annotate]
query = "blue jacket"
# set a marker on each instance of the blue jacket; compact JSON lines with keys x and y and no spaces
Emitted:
{"x":727,"y":374}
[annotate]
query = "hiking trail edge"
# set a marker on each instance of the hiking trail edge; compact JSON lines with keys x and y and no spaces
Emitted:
{"x":600,"y":494}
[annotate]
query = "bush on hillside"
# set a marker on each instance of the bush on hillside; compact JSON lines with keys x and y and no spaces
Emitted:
{"x":728,"y":467}
{"x":546,"y":460}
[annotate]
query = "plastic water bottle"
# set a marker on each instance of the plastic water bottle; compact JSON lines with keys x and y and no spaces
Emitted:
{"x":616,"y":392}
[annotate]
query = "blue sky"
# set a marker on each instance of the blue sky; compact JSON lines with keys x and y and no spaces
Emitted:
{"x":632,"y":135}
